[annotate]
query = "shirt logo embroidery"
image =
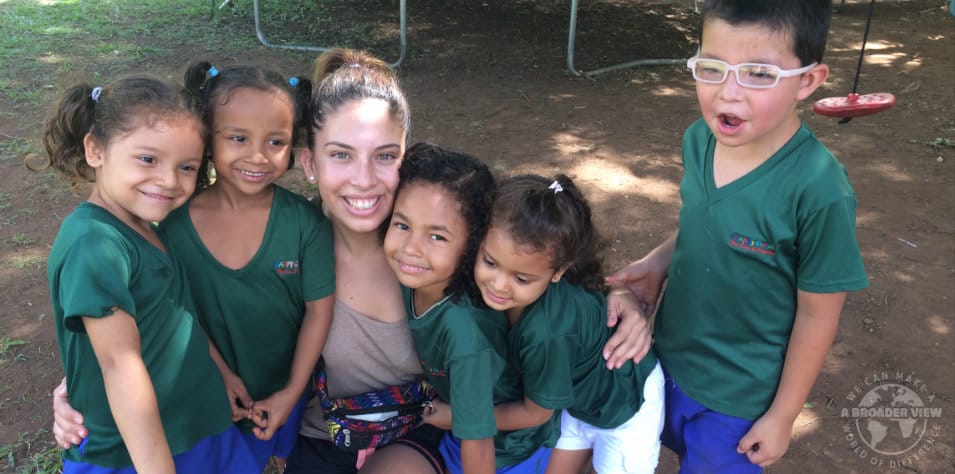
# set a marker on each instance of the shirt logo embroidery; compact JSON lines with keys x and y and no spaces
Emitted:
{"x":433,"y":370}
{"x":286,"y":267}
{"x":743,"y":242}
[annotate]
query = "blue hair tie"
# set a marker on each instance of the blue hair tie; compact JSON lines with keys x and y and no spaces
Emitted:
{"x":97,"y":91}
{"x":213,"y":72}
{"x":293,"y":81}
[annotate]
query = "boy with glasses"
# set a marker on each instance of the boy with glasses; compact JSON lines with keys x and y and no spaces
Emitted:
{"x":766,"y":249}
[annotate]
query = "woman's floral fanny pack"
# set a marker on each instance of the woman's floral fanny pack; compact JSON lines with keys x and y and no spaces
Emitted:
{"x":373,"y":419}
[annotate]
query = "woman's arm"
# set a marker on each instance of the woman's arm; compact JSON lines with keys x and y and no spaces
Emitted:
{"x":68,"y":426}
{"x":129,"y":390}
{"x":270,"y":414}
{"x":644,"y":278}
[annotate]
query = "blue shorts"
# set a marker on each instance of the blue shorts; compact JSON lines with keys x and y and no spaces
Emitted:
{"x":451,"y":451}
{"x":704,"y":440}
{"x":225,"y":452}
{"x":282,"y":441}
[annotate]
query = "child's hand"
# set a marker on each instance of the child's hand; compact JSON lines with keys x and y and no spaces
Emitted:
{"x":67,"y":423}
{"x":239,"y":398}
{"x":633,"y":336}
{"x":270,"y":414}
{"x":767,"y":440}
{"x":438,"y":415}
{"x":644,"y":279}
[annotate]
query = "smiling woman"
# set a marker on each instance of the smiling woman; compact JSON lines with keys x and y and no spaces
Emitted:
{"x":358,"y":129}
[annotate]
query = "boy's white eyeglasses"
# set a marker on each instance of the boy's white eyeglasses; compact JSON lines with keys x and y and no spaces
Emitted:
{"x":755,"y":75}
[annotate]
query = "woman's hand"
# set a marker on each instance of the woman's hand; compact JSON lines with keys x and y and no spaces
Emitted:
{"x":438,"y":415}
{"x":633,"y":336}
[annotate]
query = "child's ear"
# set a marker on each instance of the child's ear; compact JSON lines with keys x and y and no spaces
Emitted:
{"x":93,"y":150}
{"x":560,"y":273}
{"x":305,"y":158}
{"x":811,"y":80}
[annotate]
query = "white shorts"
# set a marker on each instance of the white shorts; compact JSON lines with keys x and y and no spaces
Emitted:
{"x":633,"y":447}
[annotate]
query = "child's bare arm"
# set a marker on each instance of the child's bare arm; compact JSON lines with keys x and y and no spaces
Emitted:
{"x":521,"y":414}
{"x":239,"y":399}
{"x":129,"y":390}
{"x":817,"y":318}
{"x":270,"y":414}
{"x":477,"y":456}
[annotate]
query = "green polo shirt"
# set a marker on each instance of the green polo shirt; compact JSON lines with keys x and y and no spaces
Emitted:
{"x":97,"y":263}
{"x":462,"y":350}
{"x":253,"y":314}
{"x":742,"y":252}
{"x":558,"y":345}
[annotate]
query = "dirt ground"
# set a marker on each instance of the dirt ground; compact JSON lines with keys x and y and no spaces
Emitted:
{"x":488,"y":78}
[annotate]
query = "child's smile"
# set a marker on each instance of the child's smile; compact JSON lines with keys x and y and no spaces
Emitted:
{"x":426,"y":239}
{"x":511,"y":276}
{"x":252,"y":139}
{"x":145,"y":174}
{"x":355,"y":163}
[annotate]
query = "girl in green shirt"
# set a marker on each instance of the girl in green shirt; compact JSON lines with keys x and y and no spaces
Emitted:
{"x":540,"y":264}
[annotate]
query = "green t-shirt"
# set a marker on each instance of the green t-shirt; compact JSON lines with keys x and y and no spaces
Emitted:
{"x":558,"y":345}
{"x":742,"y":252}
{"x":462,"y":350}
{"x":97,"y":263}
{"x":253,"y":314}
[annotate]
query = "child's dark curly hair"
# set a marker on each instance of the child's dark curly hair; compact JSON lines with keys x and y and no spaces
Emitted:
{"x":470,"y":183}
{"x":552,"y":215}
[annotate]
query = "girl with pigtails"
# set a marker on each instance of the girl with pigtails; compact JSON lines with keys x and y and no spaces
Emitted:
{"x":135,"y":356}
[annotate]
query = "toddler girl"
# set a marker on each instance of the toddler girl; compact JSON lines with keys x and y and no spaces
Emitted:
{"x":540,"y":264}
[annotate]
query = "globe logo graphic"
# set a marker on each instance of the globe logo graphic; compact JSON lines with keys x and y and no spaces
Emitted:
{"x":887,"y":423}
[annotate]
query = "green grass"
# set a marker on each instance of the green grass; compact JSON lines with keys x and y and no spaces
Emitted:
{"x":22,"y":240}
{"x":32,"y":453}
{"x":23,"y":262}
{"x":14,"y":147}
{"x":43,"y":42}
{"x":6,"y":344}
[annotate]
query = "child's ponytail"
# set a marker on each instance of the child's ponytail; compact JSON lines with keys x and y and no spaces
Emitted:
{"x":301,"y":97}
{"x":195,"y":79}
{"x":65,"y":129}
